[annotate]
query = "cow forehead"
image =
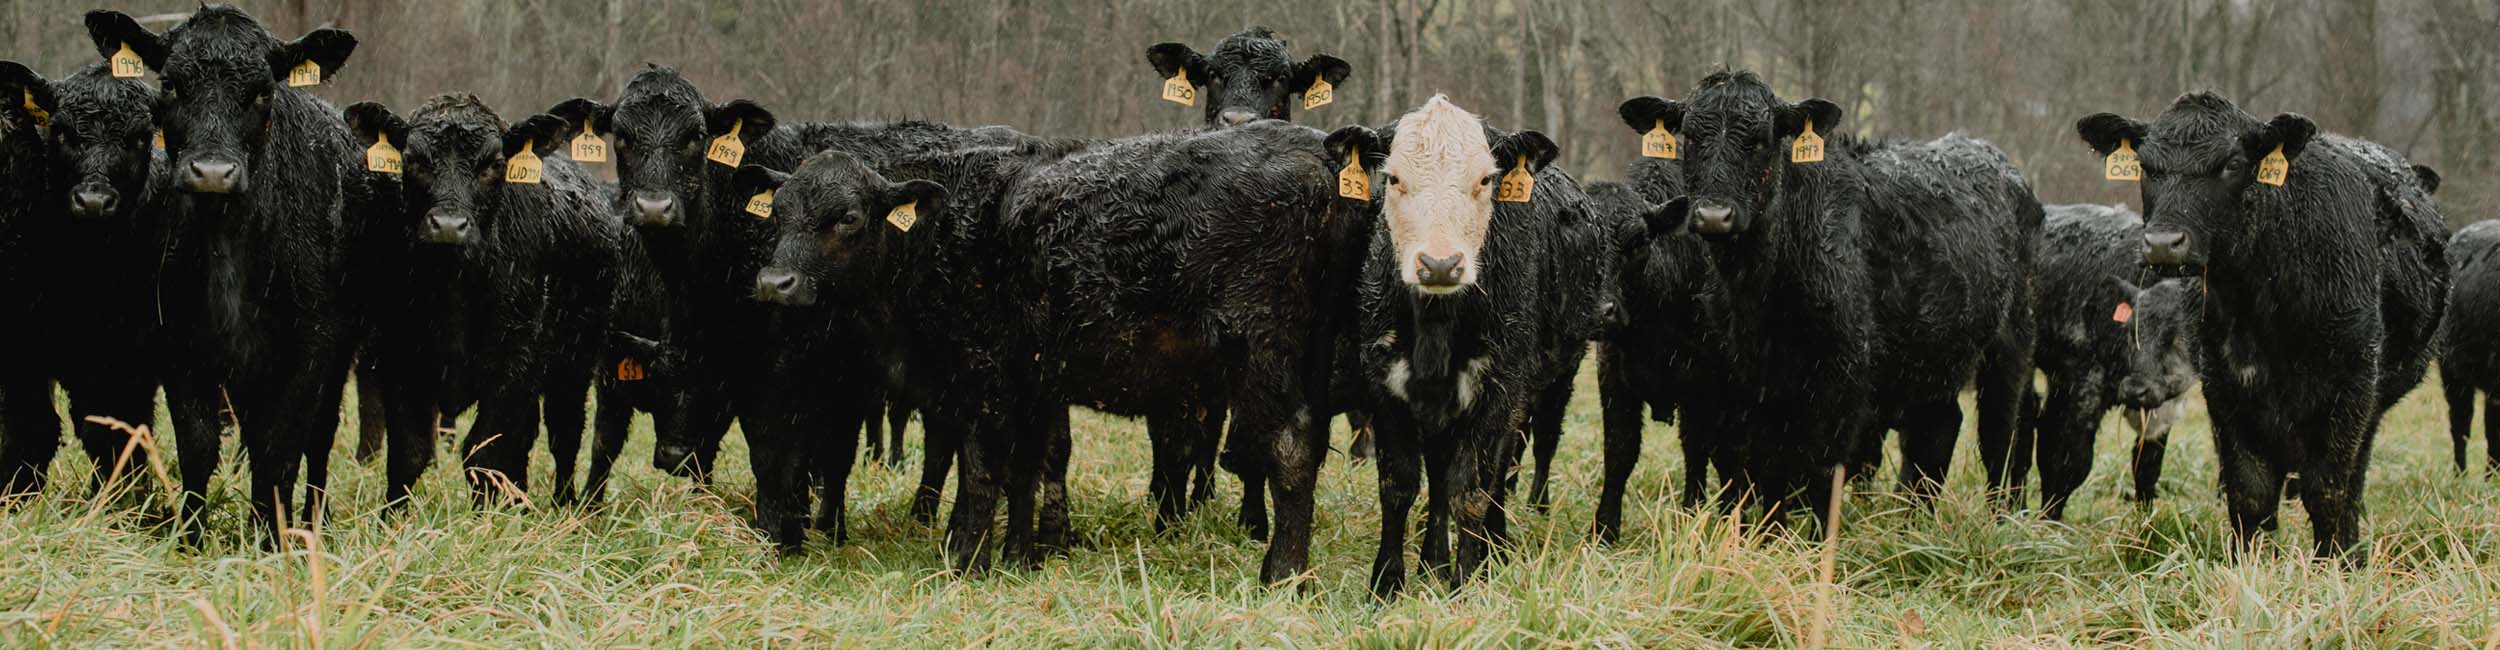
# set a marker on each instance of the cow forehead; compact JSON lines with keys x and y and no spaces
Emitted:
{"x":217,"y":41}
{"x":1439,"y":140}
{"x":99,"y":103}
{"x":1251,"y":51}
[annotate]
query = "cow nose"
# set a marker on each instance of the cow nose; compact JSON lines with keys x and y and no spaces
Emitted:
{"x":1439,"y":272}
{"x":778,"y":286}
{"x":1236,"y":117}
{"x":1610,"y":314}
{"x":214,"y":176}
{"x":447,"y":228}
{"x":1714,"y":219}
{"x":93,"y":202}
{"x":654,"y":209}
{"x":2165,"y":247}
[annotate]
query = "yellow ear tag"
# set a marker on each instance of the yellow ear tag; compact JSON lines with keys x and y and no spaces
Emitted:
{"x":2274,"y":168}
{"x":307,"y":73}
{"x":728,"y":149}
{"x":904,"y":216}
{"x":628,"y":370}
{"x":1321,"y":93}
{"x":43,"y":119}
{"x":1354,"y":182}
{"x":761,"y":205}
{"x":1517,"y":185}
{"x":382,"y":157}
{"x":160,"y":140}
{"x":1808,"y":146}
{"x":1658,"y":143}
{"x":2122,"y":164}
{"x":127,"y":65}
{"x":589,"y":147}
{"x":524,"y":167}
{"x":1178,"y":90}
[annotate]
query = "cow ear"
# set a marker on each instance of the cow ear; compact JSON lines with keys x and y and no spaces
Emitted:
{"x":927,"y":194}
{"x":1538,"y":149}
{"x":2104,"y":131}
{"x":2429,"y":178}
{"x":755,"y":179}
{"x":1667,"y":219}
{"x":18,"y":84}
{"x":2291,"y":131}
{"x":1792,"y":118}
{"x":2126,"y":289}
{"x":1320,"y":67}
{"x":581,"y":111}
{"x":1366,"y":144}
{"x":752,"y":120}
{"x":371,"y":121}
{"x":1169,"y":58}
{"x":110,"y":29}
{"x":1644,"y":113}
{"x":545,"y":133}
{"x":325,"y":47}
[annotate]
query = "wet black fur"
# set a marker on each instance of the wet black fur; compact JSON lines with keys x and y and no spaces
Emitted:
{"x":2091,"y":261}
{"x":2469,"y":360}
{"x":1252,"y":73}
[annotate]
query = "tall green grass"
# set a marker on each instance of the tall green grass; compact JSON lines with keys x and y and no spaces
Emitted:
{"x":665,"y":565}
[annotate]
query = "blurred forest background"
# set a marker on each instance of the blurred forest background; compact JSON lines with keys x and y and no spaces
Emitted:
{"x":2418,"y":75}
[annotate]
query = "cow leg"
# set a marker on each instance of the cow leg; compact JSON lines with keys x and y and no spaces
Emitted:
{"x":2491,"y":435}
{"x":1242,"y":457}
{"x":1400,"y":465}
{"x":1547,"y":426}
{"x":2004,"y":375}
{"x":1026,"y":459}
{"x":1620,"y":411}
{"x":1433,"y":549}
{"x":1476,"y":471}
{"x":1051,"y":534}
{"x":1361,"y":424}
{"x":132,"y":402}
{"x":980,"y":474}
{"x":320,"y":435}
{"x":1172,"y":434}
{"x":687,"y":447}
{"x":30,"y":434}
{"x":2460,"y":396}
{"x":372,"y":418}
{"x":2071,"y":420}
{"x":2152,"y":441}
{"x":2250,"y":488}
{"x":873,"y":425}
{"x":1277,"y":410}
{"x":609,"y":425}
{"x":1928,"y":430}
{"x":411,"y":412}
{"x":567,"y":408}
{"x":897,"y":416}
{"x":780,"y":465}
{"x":941,"y":441}
{"x":835,"y":456}
{"x":1210,"y":439}
{"x":198,"y":432}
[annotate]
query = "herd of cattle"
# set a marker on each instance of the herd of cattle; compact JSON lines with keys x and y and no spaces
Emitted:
{"x":1788,"y":292}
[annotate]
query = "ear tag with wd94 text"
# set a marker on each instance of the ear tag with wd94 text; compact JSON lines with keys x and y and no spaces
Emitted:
{"x":524,"y":166}
{"x":382,"y":157}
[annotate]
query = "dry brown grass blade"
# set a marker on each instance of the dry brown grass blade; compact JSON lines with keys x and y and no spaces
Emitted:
{"x":227,"y":638}
{"x":1826,"y":616}
{"x":313,"y":634}
{"x":141,"y":437}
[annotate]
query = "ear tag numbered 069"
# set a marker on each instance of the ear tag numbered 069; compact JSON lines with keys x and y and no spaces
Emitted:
{"x":1808,"y":148}
{"x":1353,"y":181}
{"x":307,"y":73}
{"x":1321,"y":93}
{"x":728,"y":149}
{"x":524,"y":167}
{"x":1658,"y":143}
{"x":1517,"y":185}
{"x":126,"y":64}
{"x":588,"y":147}
{"x":2272,"y":169}
{"x":384,"y":158}
{"x":2123,"y":165}
{"x":1178,"y":90}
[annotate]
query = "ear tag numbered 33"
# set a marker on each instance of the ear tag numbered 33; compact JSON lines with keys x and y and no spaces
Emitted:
{"x":1353,"y":181}
{"x":1517,"y":185}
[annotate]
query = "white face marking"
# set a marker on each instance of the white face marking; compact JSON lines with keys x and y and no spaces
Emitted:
{"x":1440,"y":205}
{"x":1467,"y":381}
{"x":2155,"y":424}
{"x":1396,"y":380}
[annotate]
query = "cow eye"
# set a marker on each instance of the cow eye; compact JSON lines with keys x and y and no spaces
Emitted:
{"x":1488,"y":179}
{"x":1396,"y":183}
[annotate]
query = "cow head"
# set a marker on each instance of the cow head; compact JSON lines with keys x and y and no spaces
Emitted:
{"x":2162,"y":320}
{"x":454,"y":153}
{"x":21,"y":140}
{"x":101,"y":138}
{"x":219,"y":70}
{"x":835,"y":216}
{"x":1441,"y":165}
{"x":1734,"y":134}
{"x":658,"y":132}
{"x":2200,"y":159}
{"x":1251,"y":76}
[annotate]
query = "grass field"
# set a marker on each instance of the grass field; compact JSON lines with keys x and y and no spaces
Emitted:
{"x":663,"y":565}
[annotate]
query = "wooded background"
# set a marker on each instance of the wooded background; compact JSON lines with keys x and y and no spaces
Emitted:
{"x":2416,"y":75}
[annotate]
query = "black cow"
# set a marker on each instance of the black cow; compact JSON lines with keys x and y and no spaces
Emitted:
{"x":1025,"y":283}
{"x":91,"y":247}
{"x":1460,"y":305}
{"x":2324,"y":279}
{"x":29,"y":428}
{"x":2469,"y":361}
{"x":258,"y":298}
{"x":1250,"y":76}
{"x":2103,"y":342}
{"x":506,"y":294}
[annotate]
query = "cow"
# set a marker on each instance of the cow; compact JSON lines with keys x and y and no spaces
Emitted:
{"x":258,"y":298}
{"x":2103,"y":342}
{"x":1250,"y":76}
{"x":506,"y":294}
{"x":1657,"y":355}
{"x":1455,"y":300}
{"x":1021,"y":283}
{"x":2324,"y":278}
{"x":91,"y":251}
{"x":2469,"y":362}
{"x":30,"y":430}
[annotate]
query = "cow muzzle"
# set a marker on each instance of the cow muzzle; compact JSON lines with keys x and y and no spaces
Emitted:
{"x":93,"y":201}
{"x":1714,"y":219}
{"x":2171,"y":252}
{"x":1440,"y":274}
{"x":213,"y":176}
{"x":783,"y":287}
{"x":447,"y":228}
{"x":655,"y":210}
